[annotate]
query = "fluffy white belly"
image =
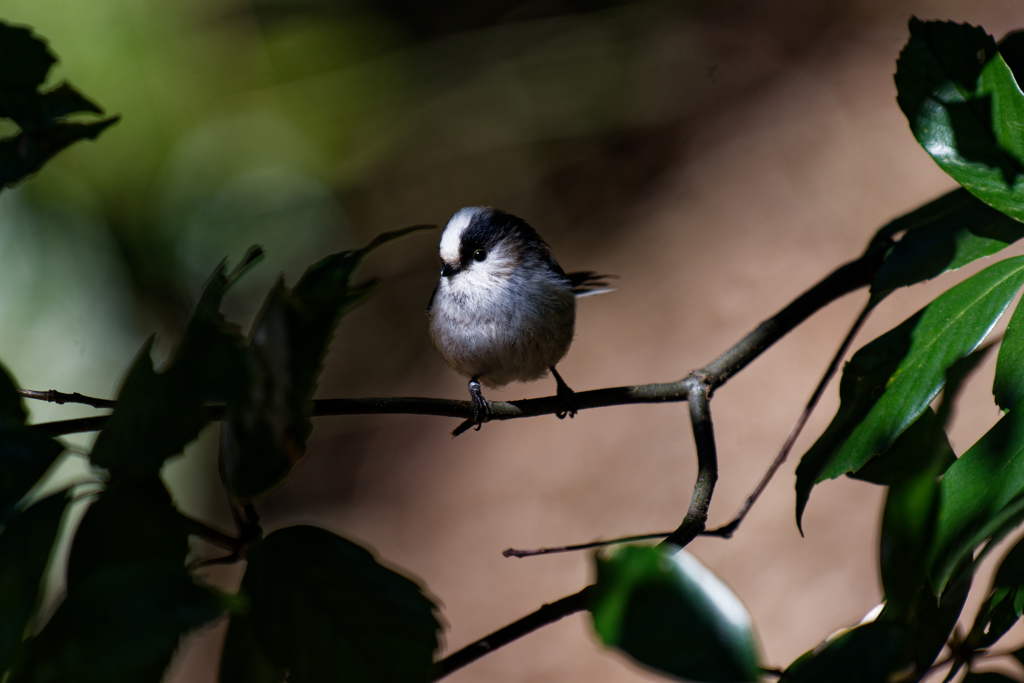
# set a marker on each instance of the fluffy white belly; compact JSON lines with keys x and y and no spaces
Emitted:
{"x":501,"y":331}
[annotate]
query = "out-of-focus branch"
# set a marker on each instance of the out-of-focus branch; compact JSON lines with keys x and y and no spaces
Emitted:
{"x":547,"y":614}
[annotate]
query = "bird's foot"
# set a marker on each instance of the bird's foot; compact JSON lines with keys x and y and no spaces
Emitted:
{"x":481,"y":411}
{"x":566,"y":395}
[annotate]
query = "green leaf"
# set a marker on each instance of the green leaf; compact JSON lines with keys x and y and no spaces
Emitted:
{"x":924,"y":447}
{"x":131,"y":522}
{"x":25,"y":547}
{"x":1004,"y":604}
{"x":957,"y":375}
{"x":1008,"y":387}
{"x":159,"y":413}
{"x":965,"y":109}
{"x":322,"y":608}
{"x":25,"y":153}
{"x":866,"y":654}
{"x":265,"y":436}
{"x":943,"y":235}
{"x":908,"y":525}
{"x":667,"y":611}
{"x":123,"y":623}
{"x":24,"y":58}
{"x":979,"y":493}
{"x":890,"y":381}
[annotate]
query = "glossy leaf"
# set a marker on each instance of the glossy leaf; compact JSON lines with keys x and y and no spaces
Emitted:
{"x":25,"y":547}
{"x":266,"y":436}
{"x":322,"y":608}
{"x":866,"y":654}
{"x":1008,"y":387}
{"x":123,"y":623}
{"x":1004,"y":604}
{"x":979,"y":493}
{"x":159,"y":413}
{"x":965,"y":109}
{"x":890,"y":381}
{"x":668,"y":612}
{"x":943,"y":235}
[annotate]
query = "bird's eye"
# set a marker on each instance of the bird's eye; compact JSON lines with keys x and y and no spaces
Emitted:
{"x":479,"y":255}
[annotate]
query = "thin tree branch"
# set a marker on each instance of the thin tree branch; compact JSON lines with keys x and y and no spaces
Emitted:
{"x":547,"y":614}
{"x":727,"y":530}
{"x":52,"y":396}
{"x":218,"y":538}
{"x":512,"y":552}
{"x":842,"y":281}
{"x":707,"y":469}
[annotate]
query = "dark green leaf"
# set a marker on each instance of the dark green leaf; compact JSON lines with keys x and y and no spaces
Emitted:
{"x":24,"y":58}
{"x":965,"y":109}
{"x":667,"y":611}
{"x":866,"y":654}
{"x":1004,"y":604}
{"x":908,"y":524}
{"x":923,"y":447}
{"x":890,"y":381}
{"x":122,"y":623}
{"x":266,"y":436}
{"x":978,"y":494}
{"x":25,"y":153}
{"x":159,"y":413}
{"x":131,"y":522}
{"x":25,"y":547}
{"x":243,"y":659}
{"x":957,"y":375}
{"x":1008,"y":386}
{"x":322,"y":609}
{"x":931,"y":619}
{"x":943,"y":235}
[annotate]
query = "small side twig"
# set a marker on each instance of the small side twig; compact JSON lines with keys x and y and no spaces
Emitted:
{"x":727,"y":530}
{"x":707,"y":469}
{"x":60,"y":398}
{"x":512,"y":552}
{"x":547,"y":614}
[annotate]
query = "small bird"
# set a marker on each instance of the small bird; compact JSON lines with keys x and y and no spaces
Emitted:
{"x":503,"y":309}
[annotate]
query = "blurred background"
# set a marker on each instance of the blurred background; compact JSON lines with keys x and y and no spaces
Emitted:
{"x":721,"y":157}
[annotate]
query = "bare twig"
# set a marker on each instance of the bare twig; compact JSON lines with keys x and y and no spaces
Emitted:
{"x":707,"y":470}
{"x":512,"y":552}
{"x":547,"y":614}
{"x":60,"y":398}
{"x":727,"y":530}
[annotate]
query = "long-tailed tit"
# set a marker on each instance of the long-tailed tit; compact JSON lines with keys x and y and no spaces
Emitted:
{"x":503,"y":310}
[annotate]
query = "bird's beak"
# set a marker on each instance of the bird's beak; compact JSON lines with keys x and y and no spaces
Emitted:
{"x":447,"y":270}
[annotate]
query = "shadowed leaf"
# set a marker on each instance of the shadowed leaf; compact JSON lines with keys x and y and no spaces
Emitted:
{"x":965,"y":109}
{"x":322,"y":608}
{"x":266,"y":435}
{"x":670,"y":613}
{"x":866,"y":654}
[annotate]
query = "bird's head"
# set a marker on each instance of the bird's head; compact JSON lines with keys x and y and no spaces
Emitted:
{"x":481,"y":243}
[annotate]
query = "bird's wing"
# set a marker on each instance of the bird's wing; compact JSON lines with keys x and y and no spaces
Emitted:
{"x":589,"y":283}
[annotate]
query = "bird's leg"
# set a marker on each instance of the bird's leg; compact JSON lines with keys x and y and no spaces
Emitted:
{"x":481,"y":411}
{"x":567,"y":395}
